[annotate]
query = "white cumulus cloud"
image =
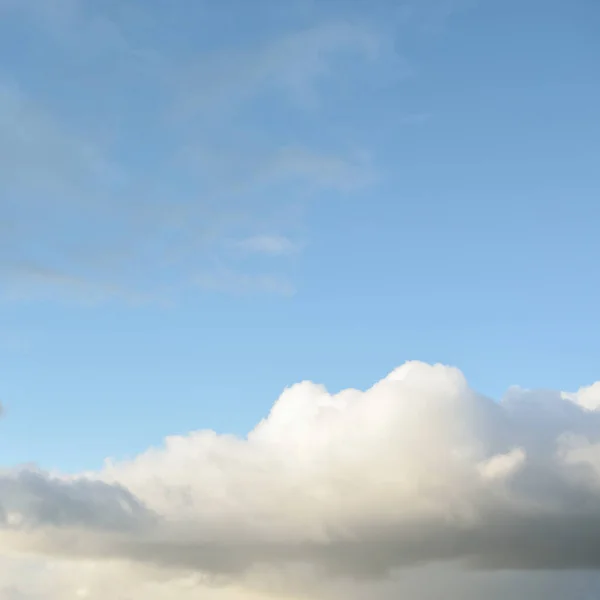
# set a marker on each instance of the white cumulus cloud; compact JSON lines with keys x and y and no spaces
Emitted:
{"x":418,"y":474}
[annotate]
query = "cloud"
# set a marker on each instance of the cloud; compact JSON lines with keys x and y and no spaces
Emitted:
{"x":30,"y":281}
{"x":88,"y":32}
{"x":88,"y":213}
{"x":58,"y":11}
{"x":79,"y":222}
{"x":31,"y":499}
{"x":55,"y":185}
{"x":273,"y":245}
{"x":240,"y":169}
{"x":73,"y":226}
{"x":432,"y":16}
{"x":240,"y":283}
{"x":292,"y":64}
{"x":298,"y":69}
{"x":40,"y":156}
{"x":327,"y":171}
{"x":417,"y":472}
{"x":587,"y":397}
{"x":63,"y":579}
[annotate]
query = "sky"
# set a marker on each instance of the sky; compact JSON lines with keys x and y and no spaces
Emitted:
{"x":225,"y":226}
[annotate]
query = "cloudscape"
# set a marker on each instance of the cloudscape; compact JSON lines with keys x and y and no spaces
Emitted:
{"x":359,"y":487}
{"x":299,"y":300}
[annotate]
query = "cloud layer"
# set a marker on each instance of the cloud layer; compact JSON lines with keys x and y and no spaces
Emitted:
{"x":417,"y":470}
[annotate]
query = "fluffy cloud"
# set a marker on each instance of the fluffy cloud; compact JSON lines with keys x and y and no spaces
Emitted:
{"x":417,"y":472}
{"x":586,"y":397}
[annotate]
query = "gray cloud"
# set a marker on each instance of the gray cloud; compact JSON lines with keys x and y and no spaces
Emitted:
{"x":31,"y":499}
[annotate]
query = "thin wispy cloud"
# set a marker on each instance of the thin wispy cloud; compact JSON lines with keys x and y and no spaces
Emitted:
{"x":270,"y":245}
{"x":31,"y":282}
{"x":240,"y":283}
{"x":292,"y":65}
{"x":43,"y":159}
{"x":78,"y":205}
{"x":345,"y":174}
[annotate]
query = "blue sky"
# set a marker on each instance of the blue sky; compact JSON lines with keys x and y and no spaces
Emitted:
{"x":203,"y":203}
